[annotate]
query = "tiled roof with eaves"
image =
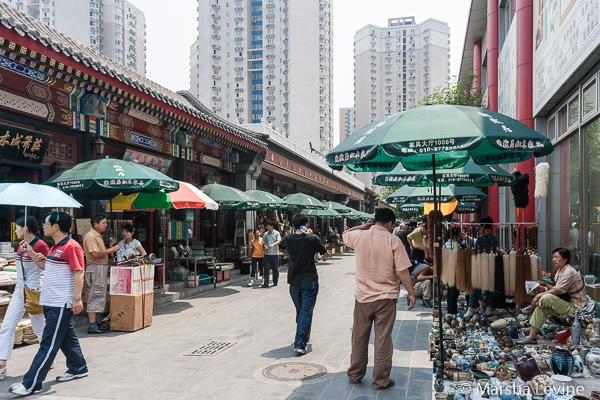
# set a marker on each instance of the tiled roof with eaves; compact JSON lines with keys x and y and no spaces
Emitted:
{"x":23,"y":24}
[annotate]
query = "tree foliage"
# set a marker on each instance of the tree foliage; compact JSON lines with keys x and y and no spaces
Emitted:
{"x":457,"y":93}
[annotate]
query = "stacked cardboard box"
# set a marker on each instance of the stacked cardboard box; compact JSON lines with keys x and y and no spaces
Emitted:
{"x":132,"y":297}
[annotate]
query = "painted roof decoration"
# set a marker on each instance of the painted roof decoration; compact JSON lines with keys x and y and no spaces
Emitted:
{"x":81,"y":54}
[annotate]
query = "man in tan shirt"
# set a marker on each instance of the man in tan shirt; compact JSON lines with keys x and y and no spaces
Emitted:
{"x":96,"y":270}
{"x":381,"y":263}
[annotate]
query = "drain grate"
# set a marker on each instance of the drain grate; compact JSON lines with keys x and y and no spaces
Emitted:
{"x":210,"y":348}
{"x":294,"y":371}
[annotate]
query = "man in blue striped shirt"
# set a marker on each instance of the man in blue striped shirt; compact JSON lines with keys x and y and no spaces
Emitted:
{"x":61,"y":298}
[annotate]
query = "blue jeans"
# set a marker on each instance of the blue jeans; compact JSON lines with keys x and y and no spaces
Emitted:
{"x":257,"y":266}
{"x":58,"y":334}
{"x":304,"y":297}
{"x":271,"y":261}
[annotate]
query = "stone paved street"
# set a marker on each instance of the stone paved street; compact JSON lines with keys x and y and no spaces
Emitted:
{"x":149,"y":364}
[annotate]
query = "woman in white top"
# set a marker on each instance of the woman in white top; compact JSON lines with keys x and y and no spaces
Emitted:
{"x":33,"y":279}
{"x":129,"y":246}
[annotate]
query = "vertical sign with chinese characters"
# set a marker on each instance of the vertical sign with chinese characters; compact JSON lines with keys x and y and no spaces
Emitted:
{"x":23,"y":144}
{"x":507,"y":73}
{"x":566,"y":32}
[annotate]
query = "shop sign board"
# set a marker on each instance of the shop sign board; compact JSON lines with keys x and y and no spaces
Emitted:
{"x":507,"y":73}
{"x":23,"y":144}
{"x":158,"y":163}
{"x":566,"y":32}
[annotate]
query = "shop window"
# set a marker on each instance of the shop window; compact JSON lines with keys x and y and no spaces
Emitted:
{"x":62,"y":151}
{"x":592,"y":136}
{"x":265,"y":185}
{"x":551,"y":129}
{"x":564,"y":198}
{"x":574,"y":111}
{"x":563,"y":126}
{"x":590,"y":100}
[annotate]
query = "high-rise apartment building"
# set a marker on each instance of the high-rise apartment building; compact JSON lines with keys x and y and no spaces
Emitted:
{"x":397,"y":66}
{"x":347,"y":122}
{"x":267,"y":60}
{"x":115,"y":28}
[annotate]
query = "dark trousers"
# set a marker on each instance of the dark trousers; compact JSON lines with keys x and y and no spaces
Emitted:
{"x":58,"y":334}
{"x":257,"y":266}
{"x":382,"y":314}
{"x":453,"y":293}
{"x":271,"y":261}
{"x":417,"y":254}
{"x":304,"y":297}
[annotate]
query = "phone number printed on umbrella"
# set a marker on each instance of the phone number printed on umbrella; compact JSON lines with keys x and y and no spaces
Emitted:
{"x":443,"y":149}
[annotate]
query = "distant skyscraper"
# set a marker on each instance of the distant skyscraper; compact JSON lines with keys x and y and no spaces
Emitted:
{"x":115,"y":28}
{"x":398,"y":65}
{"x":267,"y":60}
{"x":347,"y":122}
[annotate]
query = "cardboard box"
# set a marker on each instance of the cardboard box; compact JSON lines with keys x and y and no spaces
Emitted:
{"x":130,"y":313}
{"x":129,"y":281}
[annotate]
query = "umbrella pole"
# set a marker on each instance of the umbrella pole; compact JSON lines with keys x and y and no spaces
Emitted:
{"x":436,"y":250}
{"x":164,"y":235}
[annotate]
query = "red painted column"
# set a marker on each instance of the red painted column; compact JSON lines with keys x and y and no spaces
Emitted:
{"x":524,"y":21}
{"x":492,"y":79}
{"x":477,"y":62}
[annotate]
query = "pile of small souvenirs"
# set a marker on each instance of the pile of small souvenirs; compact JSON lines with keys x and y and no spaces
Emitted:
{"x":482,"y":358}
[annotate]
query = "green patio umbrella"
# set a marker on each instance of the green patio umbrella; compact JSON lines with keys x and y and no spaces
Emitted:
{"x":471,"y":174}
{"x":340,"y":208}
{"x":321,"y":213}
{"x":450,"y":133}
{"x":416,"y":195}
{"x":105,"y":178}
{"x":465,"y":208}
{"x":229,"y":198}
{"x":304,"y":201}
{"x":270,"y":201}
{"x":412,"y":208}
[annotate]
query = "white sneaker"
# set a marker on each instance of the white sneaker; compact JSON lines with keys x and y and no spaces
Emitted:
{"x":3,"y":372}
{"x":251,"y":284}
{"x":68,"y":377}
{"x":21,"y":390}
{"x":527,"y":310}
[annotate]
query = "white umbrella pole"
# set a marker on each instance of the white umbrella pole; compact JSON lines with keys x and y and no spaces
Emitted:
{"x":164,"y":272}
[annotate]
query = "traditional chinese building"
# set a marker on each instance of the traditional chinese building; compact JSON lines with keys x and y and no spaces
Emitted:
{"x":61,"y":104}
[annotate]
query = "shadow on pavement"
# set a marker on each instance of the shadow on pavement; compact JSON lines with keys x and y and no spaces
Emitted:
{"x":222,"y":292}
{"x":172,"y":308}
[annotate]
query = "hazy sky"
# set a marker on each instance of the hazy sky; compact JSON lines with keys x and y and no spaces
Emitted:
{"x":171,"y":30}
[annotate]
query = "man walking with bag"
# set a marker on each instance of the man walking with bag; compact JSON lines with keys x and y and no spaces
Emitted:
{"x":61,"y":298}
{"x":381,"y":263}
{"x":303,"y":277}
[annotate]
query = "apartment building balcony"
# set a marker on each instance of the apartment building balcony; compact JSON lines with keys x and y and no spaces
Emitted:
{"x":214,"y":26}
{"x":286,"y":51}
{"x":426,"y":52}
{"x":271,"y":76}
{"x":286,"y":83}
{"x":241,"y":68}
{"x":239,"y":59}
{"x":388,"y":57}
{"x":239,"y":99}
{"x":270,"y":5}
{"x":286,"y":104}
{"x":373,"y":86}
{"x":388,"y":64}
{"x":215,"y":6}
{"x":270,"y":97}
{"x":412,"y":85}
{"x":216,"y":66}
{"x":270,"y":36}
{"x":272,"y":46}
{"x":271,"y":117}
{"x":388,"y":86}
{"x":270,"y":26}
{"x":270,"y":108}
{"x":270,"y":87}
{"x":239,"y":109}
{"x":238,"y":9}
{"x":239,"y":28}
{"x":217,"y":98}
{"x":239,"y":39}
{"x":239,"y":78}
{"x":270,"y":15}
{"x":373,"y":78}
{"x":373,"y":56}
{"x":373,"y":107}
{"x":215,"y":87}
{"x":216,"y":57}
{"x":388,"y":107}
{"x":285,"y":72}
{"x":239,"y":90}
{"x":286,"y":94}
{"x":217,"y":108}
{"x":286,"y":124}
{"x":215,"y":36}
{"x":373,"y":64}
{"x":218,"y":77}
{"x":270,"y":55}
{"x":239,"y":19}
{"x":388,"y":79}
{"x":411,"y":91}
{"x":239,"y":48}
{"x":286,"y":114}
{"x":215,"y":16}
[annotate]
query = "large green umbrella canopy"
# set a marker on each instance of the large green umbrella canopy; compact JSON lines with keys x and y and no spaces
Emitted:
{"x":416,"y":195}
{"x":469,"y":175}
{"x":304,"y":201}
{"x":340,"y":208}
{"x":320,"y":213}
{"x":270,"y":201}
{"x":465,"y":208}
{"x":450,"y":132}
{"x":229,"y":198}
{"x":102,"y":179}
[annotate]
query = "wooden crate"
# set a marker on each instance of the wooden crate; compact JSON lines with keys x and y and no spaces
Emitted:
{"x":126,"y":312}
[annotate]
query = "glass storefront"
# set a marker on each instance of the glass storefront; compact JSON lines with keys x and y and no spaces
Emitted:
{"x":592,"y":154}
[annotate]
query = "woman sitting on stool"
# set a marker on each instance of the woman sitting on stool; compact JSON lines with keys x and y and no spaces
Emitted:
{"x":566,"y":297}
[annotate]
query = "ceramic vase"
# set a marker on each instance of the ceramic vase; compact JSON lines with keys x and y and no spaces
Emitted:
{"x":465,"y":364}
{"x":584,"y":352}
{"x":593,"y":361}
{"x":561,"y":362}
{"x":576,"y":332}
{"x":577,"y":365}
{"x":548,"y":331}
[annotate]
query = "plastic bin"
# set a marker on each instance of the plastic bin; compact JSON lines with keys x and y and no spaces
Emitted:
{"x":204,"y":279}
{"x":178,"y":275}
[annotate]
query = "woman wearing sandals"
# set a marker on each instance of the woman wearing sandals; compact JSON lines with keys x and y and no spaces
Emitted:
{"x":258,"y":256}
{"x":566,"y":297}
{"x":33,"y":280}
